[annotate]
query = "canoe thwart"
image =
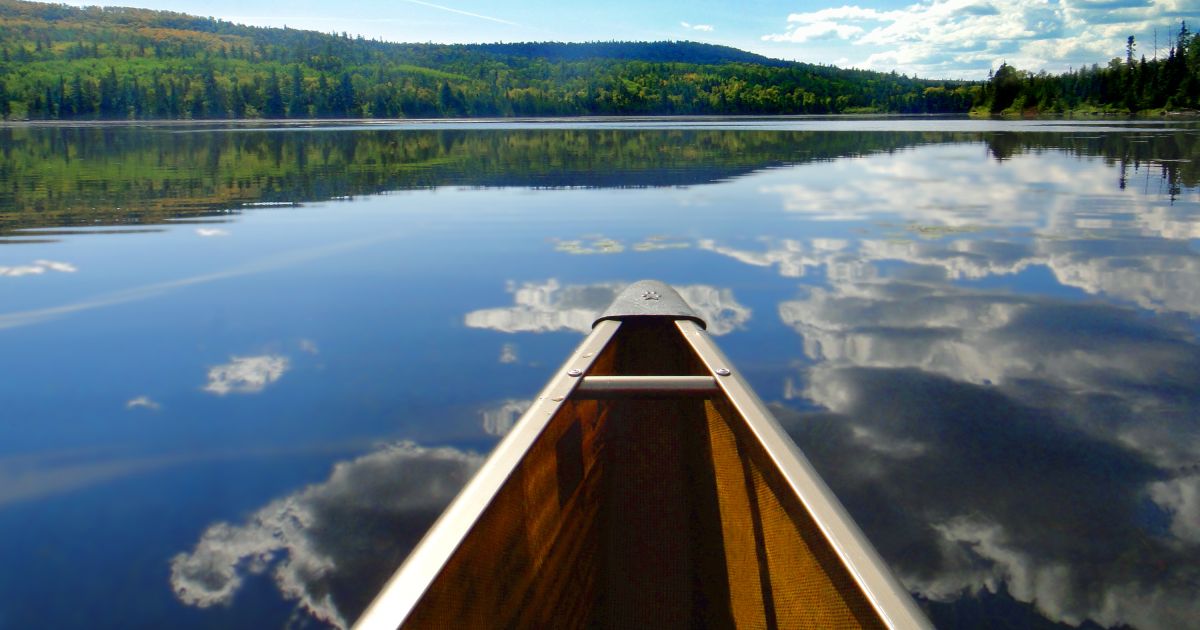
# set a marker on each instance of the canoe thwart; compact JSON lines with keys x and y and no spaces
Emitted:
{"x":649,"y":298}
{"x":599,"y":387}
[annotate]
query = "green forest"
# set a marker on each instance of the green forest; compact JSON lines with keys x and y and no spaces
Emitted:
{"x":1129,"y":86}
{"x":106,"y":63}
{"x":60,"y":62}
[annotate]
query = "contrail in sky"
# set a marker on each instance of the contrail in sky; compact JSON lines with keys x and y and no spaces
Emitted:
{"x":461,"y":12}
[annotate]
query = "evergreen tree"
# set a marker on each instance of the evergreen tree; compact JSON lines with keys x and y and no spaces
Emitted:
{"x":342,"y":102}
{"x":273,"y":101}
{"x":297,"y":106}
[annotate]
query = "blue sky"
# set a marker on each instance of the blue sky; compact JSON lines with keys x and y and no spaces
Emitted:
{"x":930,"y":38}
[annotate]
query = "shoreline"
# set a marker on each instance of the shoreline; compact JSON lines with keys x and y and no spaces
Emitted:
{"x":277,"y":123}
{"x":1087,"y":114}
{"x":590,"y":118}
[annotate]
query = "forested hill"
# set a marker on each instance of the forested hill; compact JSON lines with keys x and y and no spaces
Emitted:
{"x":61,"y":62}
{"x":662,"y":52}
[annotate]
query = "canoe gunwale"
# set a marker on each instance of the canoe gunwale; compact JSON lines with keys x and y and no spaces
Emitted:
{"x":409,"y":583}
{"x":708,"y":375}
{"x":889,"y":598}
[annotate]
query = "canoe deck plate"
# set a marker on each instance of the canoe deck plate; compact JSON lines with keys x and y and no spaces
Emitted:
{"x":649,"y":298}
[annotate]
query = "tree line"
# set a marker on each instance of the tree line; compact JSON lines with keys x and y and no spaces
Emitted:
{"x":59,"y":62}
{"x":103,"y":63}
{"x":1130,"y":85}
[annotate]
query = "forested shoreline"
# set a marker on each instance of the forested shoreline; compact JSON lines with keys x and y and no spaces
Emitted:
{"x":1131,"y":85}
{"x":59,"y":62}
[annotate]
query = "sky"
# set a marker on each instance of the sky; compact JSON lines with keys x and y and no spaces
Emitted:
{"x":930,"y":38}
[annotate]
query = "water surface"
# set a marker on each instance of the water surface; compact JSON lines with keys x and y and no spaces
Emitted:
{"x":244,"y":368}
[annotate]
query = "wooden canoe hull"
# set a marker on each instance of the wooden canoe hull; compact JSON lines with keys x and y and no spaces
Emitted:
{"x":645,"y":510}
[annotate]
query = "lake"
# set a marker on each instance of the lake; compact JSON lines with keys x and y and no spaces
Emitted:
{"x":244,"y":367}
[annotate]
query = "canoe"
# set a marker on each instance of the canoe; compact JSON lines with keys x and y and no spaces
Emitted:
{"x":646,"y":487}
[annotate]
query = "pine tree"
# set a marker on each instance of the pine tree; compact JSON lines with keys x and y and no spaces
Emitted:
{"x":273,"y":98}
{"x":297,"y":103}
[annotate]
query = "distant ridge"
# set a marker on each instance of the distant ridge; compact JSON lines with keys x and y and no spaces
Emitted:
{"x":63,"y":62}
{"x":659,"y":52}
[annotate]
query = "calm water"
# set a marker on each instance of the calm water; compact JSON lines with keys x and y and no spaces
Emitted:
{"x":242,"y":369}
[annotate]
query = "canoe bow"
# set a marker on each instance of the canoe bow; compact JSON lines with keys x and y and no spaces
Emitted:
{"x":646,"y":486}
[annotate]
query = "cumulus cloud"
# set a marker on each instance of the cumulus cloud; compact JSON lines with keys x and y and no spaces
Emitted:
{"x":246,"y":375}
{"x":309,"y":346}
{"x":331,"y":546}
{"x":966,"y":37}
{"x":707,"y":28}
{"x":143,"y":402}
{"x":508,"y":353}
{"x":549,"y":306}
{"x":38,"y":267}
{"x":816,"y":30}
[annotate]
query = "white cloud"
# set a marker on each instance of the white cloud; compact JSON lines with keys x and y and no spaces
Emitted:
{"x":816,"y":30}
{"x":309,"y":346}
{"x":38,"y":267}
{"x":508,"y":353}
{"x":944,"y":37}
{"x":549,"y":306}
{"x":345,"y":535}
{"x":210,"y":232}
{"x":143,"y":402}
{"x":707,"y":28}
{"x":246,"y":375}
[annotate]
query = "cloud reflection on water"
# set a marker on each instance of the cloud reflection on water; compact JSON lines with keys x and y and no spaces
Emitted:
{"x":947,"y":186}
{"x":550,"y":306}
{"x":331,"y":546}
{"x":246,"y":375}
{"x":987,"y":440}
{"x":143,"y":402}
{"x":500,"y":418}
{"x":37,"y":268}
{"x":1156,"y":274}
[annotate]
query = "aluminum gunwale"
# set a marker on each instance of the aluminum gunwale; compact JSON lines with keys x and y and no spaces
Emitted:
{"x":891,"y":600}
{"x":593,"y":387}
{"x":408,"y":584}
